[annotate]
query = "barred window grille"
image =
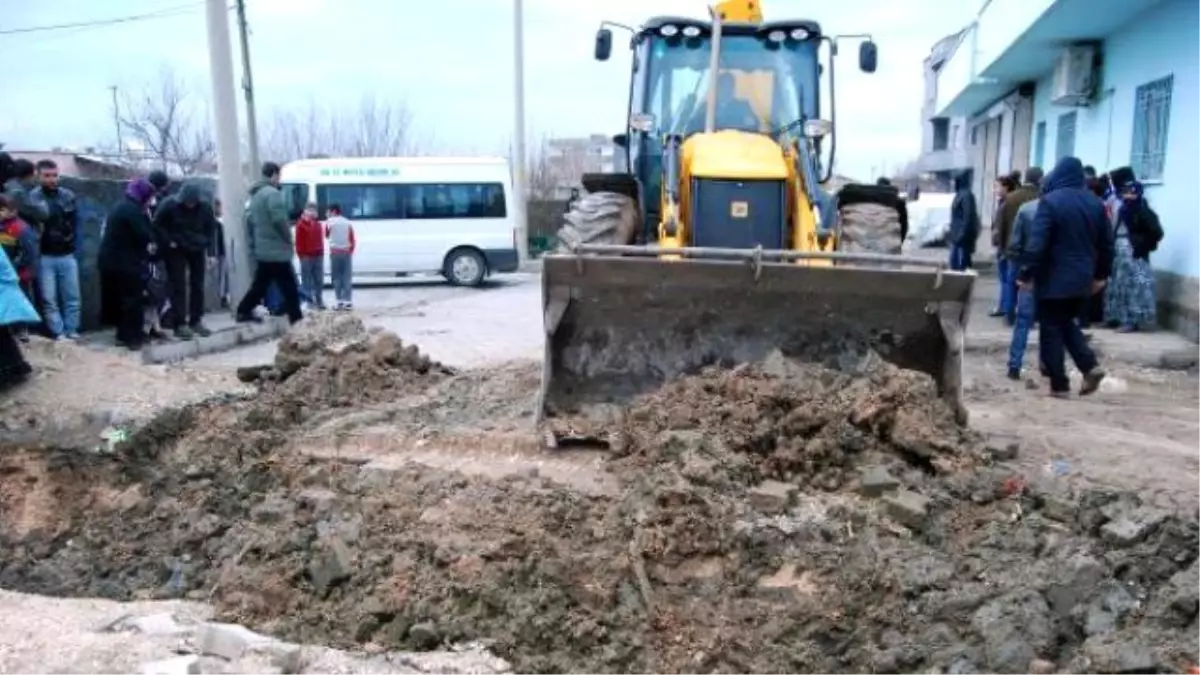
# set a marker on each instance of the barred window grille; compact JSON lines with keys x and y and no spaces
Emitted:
{"x":1039,"y":145}
{"x":1064,"y":143}
{"x":1151,"y":116}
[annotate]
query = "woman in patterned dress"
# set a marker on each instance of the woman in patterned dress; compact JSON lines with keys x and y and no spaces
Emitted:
{"x":1130,"y":299}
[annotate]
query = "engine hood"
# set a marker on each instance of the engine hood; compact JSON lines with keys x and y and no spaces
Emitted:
{"x":734,"y":155}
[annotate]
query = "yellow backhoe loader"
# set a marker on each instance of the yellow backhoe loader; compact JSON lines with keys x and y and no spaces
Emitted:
{"x":721,"y":245}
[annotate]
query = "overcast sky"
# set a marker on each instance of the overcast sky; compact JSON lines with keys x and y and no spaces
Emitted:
{"x":450,"y":61}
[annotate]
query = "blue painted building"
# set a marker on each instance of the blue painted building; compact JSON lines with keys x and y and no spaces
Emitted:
{"x":1113,"y":82}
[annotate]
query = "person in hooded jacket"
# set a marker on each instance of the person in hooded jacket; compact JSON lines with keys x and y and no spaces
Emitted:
{"x":1130,"y":303}
{"x":964,"y":223}
{"x":126,"y":249}
{"x":1067,"y":259}
{"x":186,"y":226}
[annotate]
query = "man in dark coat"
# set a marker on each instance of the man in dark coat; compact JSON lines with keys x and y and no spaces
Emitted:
{"x":186,"y":226}
{"x":964,"y":223}
{"x":1066,"y":260}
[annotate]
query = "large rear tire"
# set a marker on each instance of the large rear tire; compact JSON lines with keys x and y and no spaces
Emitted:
{"x":599,"y":218}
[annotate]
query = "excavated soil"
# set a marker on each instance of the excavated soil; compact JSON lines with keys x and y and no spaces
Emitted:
{"x":754,"y":524}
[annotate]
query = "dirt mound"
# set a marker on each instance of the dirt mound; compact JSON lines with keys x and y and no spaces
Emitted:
{"x":802,"y":423}
{"x":773,"y":518}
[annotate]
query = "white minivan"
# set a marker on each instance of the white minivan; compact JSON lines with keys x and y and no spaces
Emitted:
{"x":413,"y":215}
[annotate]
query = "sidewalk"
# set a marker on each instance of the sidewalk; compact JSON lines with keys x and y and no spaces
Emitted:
{"x":1151,"y":349}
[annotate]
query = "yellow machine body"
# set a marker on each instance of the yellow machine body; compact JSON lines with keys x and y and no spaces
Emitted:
{"x":704,"y":289}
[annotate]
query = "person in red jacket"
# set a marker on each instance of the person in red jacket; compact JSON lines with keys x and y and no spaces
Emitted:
{"x":310,"y":248}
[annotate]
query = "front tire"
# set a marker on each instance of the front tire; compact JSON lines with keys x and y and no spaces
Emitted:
{"x":465,"y":267}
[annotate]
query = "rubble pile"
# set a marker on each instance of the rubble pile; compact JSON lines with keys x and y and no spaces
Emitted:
{"x":775,"y":517}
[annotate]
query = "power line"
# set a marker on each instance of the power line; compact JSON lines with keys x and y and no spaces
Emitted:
{"x":164,"y":13}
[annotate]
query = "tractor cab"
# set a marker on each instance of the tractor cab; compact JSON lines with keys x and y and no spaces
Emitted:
{"x":767,"y":82}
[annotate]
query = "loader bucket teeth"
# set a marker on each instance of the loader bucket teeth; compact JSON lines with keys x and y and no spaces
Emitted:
{"x":618,"y":325}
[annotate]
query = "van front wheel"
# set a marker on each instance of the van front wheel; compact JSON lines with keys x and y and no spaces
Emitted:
{"x":465,"y":267}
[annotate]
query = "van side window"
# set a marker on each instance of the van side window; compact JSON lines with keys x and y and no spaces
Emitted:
{"x":454,"y":200}
{"x":415,"y":201}
{"x":295,"y":197}
{"x":362,"y":202}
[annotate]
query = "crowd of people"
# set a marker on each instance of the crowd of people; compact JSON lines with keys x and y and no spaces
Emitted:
{"x":1072,"y":249}
{"x":157,"y":250}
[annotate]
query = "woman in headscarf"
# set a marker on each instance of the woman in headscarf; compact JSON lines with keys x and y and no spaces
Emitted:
{"x":125,"y":251}
{"x":1130,"y":299}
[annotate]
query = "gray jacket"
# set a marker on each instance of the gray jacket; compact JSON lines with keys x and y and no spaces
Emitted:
{"x":1022,"y":224}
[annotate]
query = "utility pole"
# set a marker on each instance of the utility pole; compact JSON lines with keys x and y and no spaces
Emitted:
{"x":518,"y":160}
{"x":248,"y":86}
{"x":229,"y":160}
{"x":117,"y":123}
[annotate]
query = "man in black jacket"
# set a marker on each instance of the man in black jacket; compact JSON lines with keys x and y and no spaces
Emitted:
{"x":186,"y":227}
{"x":59,"y":273}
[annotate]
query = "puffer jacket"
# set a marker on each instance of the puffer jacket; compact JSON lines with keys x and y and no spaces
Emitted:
{"x":1069,"y":245}
{"x":270,"y":234}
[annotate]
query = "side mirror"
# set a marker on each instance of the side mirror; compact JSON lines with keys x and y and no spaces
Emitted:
{"x":868,"y":56}
{"x":603,"y":44}
{"x":621,"y":140}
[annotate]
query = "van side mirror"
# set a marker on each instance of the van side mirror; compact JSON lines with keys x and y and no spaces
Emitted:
{"x":868,"y":56}
{"x":603,"y":44}
{"x":621,"y":140}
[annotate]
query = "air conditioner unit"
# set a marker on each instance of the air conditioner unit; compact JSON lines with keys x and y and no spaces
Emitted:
{"x":1076,"y":78}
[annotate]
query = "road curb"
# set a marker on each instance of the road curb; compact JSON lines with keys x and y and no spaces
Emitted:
{"x":220,"y":341}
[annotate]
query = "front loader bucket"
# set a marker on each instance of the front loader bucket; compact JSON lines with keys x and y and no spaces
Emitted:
{"x":621,"y":320}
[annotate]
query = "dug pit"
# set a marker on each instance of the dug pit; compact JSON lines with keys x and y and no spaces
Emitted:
{"x":764,"y":519}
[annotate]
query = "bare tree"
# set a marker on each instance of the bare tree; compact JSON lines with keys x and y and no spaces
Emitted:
{"x":163,"y":120}
{"x":373,"y":129}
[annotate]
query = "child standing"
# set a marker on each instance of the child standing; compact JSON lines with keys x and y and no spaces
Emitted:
{"x":340,"y":232}
{"x":21,"y":245}
{"x":310,"y":249}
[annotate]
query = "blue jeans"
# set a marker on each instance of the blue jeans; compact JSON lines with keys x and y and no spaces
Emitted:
{"x":1026,"y":315}
{"x":960,"y":259}
{"x":312,"y":279}
{"x":342,"y":271}
{"x":59,"y":277}
{"x":1007,"y":271}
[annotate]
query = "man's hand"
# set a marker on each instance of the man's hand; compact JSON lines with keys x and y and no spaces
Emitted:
{"x":1098,"y":285}
{"x":1025,"y":284}
{"x":151,"y":248}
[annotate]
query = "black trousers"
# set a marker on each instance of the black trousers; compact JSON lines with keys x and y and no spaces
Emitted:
{"x":13,"y":366}
{"x":185,"y":273}
{"x":281,"y":274}
{"x":127,"y":294}
{"x":1059,"y":336}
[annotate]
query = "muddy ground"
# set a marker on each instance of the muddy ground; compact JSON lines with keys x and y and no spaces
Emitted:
{"x":774,"y":518}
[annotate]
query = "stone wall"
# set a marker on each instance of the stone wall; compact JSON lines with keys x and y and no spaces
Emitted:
{"x":545,"y":217}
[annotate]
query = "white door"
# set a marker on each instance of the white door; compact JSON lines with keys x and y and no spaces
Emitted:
{"x":375,"y":210}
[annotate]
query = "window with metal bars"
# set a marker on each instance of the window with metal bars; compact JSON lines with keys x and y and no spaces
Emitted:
{"x":1151,"y":117}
